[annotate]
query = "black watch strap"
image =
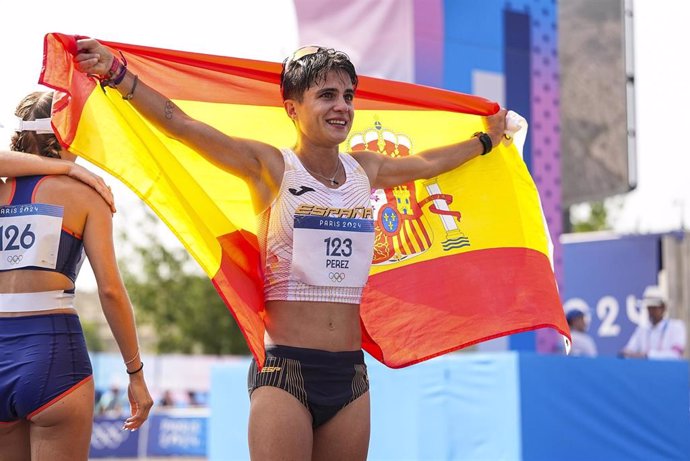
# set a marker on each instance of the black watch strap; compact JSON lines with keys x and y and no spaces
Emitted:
{"x":485,"y":139}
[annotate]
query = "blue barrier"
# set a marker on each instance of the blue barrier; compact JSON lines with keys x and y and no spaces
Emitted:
{"x":505,"y":406}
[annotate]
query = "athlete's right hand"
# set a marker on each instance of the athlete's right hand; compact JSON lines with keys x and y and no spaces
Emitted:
{"x":93,"y":58}
{"x":80,"y":173}
{"x":140,"y":401}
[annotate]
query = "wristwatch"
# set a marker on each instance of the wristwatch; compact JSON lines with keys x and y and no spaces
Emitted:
{"x":485,"y":139}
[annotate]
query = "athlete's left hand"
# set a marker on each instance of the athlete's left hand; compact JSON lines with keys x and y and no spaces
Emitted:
{"x":80,"y":173}
{"x":140,"y":401}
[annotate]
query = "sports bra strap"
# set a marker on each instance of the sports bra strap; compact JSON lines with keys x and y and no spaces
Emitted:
{"x":24,"y":194}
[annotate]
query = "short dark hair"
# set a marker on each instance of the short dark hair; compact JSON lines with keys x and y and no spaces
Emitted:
{"x":35,"y":106}
{"x":301,"y":73}
{"x":573,"y":315}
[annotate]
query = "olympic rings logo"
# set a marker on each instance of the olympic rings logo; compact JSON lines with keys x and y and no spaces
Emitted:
{"x":336,"y":276}
{"x":108,"y":435}
{"x":14,"y":259}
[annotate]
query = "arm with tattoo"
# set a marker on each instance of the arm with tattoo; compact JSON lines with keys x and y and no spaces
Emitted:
{"x":242,"y":157}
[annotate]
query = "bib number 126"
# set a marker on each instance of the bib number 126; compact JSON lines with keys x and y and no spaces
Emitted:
{"x":12,"y":239}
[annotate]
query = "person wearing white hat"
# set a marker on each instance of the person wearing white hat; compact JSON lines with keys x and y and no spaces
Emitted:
{"x":661,"y":338}
{"x":582,"y":343}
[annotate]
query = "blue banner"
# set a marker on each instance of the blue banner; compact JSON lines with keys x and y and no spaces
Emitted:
{"x":180,"y":435}
{"x":109,"y":440}
{"x":606,"y":279}
{"x":175,"y":432}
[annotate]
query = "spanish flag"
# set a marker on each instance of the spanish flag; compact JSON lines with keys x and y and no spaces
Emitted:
{"x":459,"y":259}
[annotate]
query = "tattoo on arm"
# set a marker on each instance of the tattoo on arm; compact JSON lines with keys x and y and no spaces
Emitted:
{"x":169,"y":107}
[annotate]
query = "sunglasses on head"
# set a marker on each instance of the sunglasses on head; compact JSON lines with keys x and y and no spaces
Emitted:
{"x":302,"y":52}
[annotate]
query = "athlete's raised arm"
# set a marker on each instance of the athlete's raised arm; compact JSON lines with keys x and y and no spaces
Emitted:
{"x":256,"y":162}
{"x":384,"y":171}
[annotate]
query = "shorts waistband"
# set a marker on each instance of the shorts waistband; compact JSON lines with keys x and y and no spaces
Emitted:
{"x":39,"y":324}
{"x":39,"y":301}
{"x":317,"y":355}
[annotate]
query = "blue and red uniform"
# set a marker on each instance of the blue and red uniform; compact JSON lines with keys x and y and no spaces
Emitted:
{"x":43,"y":357}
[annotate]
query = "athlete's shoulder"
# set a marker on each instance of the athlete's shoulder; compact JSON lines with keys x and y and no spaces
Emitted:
{"x":68,"y":191}
{"x":63,"y":184}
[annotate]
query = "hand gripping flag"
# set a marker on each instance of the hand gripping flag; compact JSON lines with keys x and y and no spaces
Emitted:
{"x":459,"y":259}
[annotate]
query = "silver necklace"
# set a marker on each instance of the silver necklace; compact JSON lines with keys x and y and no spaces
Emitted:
{"x":331,"y":179}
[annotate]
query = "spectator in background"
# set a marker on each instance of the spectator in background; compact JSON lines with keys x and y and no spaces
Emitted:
{"x":583,"y":345}
{"x":113,"y":402}
{"x":661,"y":338}
{"x":167,"y":400}
{"x":193,"y":398}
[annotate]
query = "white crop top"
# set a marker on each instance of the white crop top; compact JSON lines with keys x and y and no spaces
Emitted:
{"x":317,"y":243}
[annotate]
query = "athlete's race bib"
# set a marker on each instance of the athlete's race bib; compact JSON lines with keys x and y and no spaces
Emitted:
{"x":333,"y":252}
{"x":29,"y":235}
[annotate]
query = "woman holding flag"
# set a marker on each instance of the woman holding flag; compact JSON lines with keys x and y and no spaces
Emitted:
{"x":310,"y":400}
{"x":49,"y":219}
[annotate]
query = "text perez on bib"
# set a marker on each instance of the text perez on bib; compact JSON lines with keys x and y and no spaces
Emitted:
{"x":332,"y":246}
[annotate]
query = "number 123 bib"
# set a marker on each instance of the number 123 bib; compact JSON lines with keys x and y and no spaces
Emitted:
{"x":333,"y":252}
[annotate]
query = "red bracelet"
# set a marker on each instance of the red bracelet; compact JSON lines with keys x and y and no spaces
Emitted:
{"x":117,"y":78}
{"x":116,"y":74}
{"x":114,"y":66}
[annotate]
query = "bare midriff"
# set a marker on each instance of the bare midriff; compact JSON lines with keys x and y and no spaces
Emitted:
{"x":326,"y":326}
{"x":32,"y":281}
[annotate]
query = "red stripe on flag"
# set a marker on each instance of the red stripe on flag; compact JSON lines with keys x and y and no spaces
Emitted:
{"x":238,"y":282}
{"x":183,"y":75}
{"x":396,"y":302}
{"x":60,"y":75}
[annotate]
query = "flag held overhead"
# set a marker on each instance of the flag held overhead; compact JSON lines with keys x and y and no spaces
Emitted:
{"x":458,"y":259}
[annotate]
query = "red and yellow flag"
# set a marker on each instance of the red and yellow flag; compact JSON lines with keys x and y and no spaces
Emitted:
{"x":458,"y":259}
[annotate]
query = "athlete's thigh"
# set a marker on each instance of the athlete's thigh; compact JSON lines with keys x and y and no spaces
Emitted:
{"x":279,"y":426}
{"x":346,"y":435}
{"x":14,"y":440}
{"x":63,"y":430}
